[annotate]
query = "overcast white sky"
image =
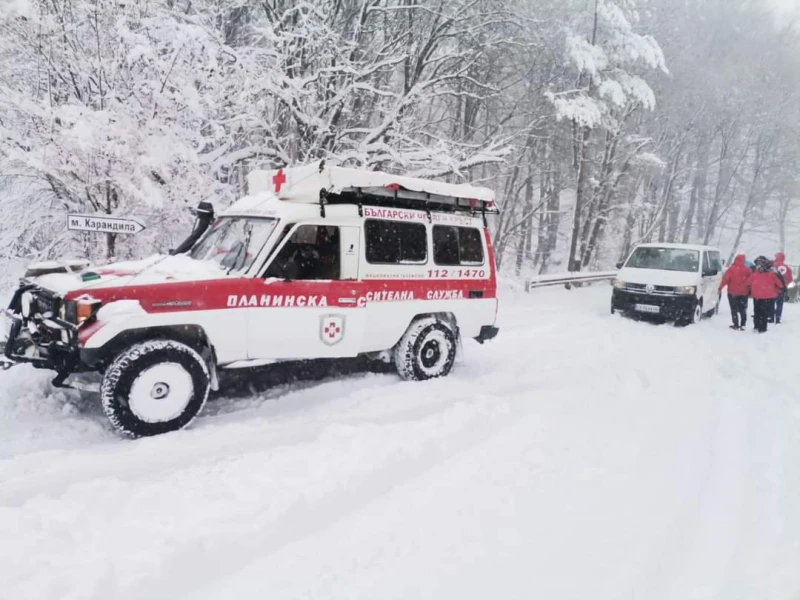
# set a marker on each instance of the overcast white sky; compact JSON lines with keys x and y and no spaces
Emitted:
{"x":786,"y":5}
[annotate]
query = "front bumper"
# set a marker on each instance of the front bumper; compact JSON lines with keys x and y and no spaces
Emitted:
{"x":670,"y":307}
{"x":41,"y":339}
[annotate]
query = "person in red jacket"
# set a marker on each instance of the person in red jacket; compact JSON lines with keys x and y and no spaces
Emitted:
{"x":735,"y":279}
{"x":765,"y":285}
{"x":785,"y":272}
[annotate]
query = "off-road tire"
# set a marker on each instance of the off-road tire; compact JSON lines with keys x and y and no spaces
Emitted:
{"x":136,"y":361}
{"x":427,"y":350}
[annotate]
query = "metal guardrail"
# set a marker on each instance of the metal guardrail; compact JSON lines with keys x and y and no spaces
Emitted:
{"x":568,"y":279}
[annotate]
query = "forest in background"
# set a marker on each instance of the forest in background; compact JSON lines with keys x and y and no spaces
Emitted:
{"x":598,"y":123}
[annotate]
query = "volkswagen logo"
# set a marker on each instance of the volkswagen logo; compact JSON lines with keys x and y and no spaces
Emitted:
{"x":649,"y":288}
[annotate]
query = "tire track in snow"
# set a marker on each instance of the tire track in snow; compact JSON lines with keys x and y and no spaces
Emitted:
{"x":283,"y":499}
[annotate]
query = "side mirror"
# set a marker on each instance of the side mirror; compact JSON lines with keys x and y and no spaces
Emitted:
{"x":620,"y":264}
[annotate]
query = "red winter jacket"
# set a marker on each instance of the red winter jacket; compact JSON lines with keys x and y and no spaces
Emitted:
{"x":786,"y":270}
{"x":765,"y":285}
{"x":736,"y":277}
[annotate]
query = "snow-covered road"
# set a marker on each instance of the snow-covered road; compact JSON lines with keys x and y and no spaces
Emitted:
{"x":579,"y":455}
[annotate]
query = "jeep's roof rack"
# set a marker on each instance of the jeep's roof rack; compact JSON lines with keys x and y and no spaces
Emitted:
{"x":322,"y":184}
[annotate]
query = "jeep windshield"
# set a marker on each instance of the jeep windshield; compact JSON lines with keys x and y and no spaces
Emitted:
{"x":665,"y":259}
{"x":233,"y":242}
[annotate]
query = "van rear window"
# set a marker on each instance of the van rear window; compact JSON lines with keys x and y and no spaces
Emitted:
{"x":457,"y":245}
{"x":395,"y":243}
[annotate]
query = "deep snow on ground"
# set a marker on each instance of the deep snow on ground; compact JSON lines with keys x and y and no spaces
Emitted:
{"x":579,"y":455}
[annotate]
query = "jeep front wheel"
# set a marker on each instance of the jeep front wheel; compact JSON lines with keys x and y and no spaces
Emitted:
{"x":154,"y":387}
{"x":427,"y":350}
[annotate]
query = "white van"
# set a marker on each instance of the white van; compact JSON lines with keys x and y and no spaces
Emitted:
{"x":678,"y":282}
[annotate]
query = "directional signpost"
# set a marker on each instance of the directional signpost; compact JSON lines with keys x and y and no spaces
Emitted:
{"x":103,"y":224}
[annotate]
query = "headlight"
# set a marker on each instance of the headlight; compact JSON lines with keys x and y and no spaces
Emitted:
{"x":85,"y":308}
{"x":686,"y":290}
{"x":619,"y":284}
{"x":81,"y":309}
{"x":25,"y":304}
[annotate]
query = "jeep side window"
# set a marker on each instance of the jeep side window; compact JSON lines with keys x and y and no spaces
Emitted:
{"x":393,"y":243}
{"x":445,"y":245}
{"x":470,"y":246}
{"x":457,"y":245}
{"x":311,"y":253}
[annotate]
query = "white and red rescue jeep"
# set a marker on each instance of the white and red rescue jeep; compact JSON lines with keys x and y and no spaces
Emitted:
{"x":317,"y":262}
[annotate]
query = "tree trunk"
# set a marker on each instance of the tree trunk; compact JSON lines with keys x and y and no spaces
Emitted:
{"x":672,"y":223}
{"x":111,"y":246}
{"x":752,"y":196}
{"x":505,"y":215}
{"x":698,"y":193}
{"x":525,"y":233}
{"x":630,"y":220}
{"x":541,"y":231}
{"x":573,"y":262}
{"x":111,"y":238}
{"x":553,"y":208}
{"x":783,"y":213}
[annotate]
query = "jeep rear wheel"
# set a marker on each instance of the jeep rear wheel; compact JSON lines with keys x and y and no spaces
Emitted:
{"x":427,"y":350}
{"x":154,"y":387}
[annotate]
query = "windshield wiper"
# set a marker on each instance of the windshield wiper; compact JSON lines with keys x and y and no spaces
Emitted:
{"x":241,"y":253}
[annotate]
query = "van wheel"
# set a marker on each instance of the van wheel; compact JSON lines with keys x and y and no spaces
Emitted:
{"x":693,"y":318}
{"x":427,"y":350}
{"x":697,"y":315}
{"x":154,"y":387}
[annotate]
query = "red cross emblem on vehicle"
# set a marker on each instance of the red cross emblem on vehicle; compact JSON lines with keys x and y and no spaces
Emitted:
{"x":278,"y":180}
{"x":331,"y":329}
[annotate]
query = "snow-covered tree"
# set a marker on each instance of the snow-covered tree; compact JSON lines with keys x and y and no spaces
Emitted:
{"x":565,"y":107}
{"x":103,"y":109}
{"x":606,"y":52}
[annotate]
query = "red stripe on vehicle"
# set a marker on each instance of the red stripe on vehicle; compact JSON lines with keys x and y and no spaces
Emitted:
{"x":251,"y":292}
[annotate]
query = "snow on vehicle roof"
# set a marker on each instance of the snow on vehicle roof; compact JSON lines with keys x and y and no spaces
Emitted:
{"x":304,"y":184}
{"x":264,"y":204}
{"x":677,"y":246}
